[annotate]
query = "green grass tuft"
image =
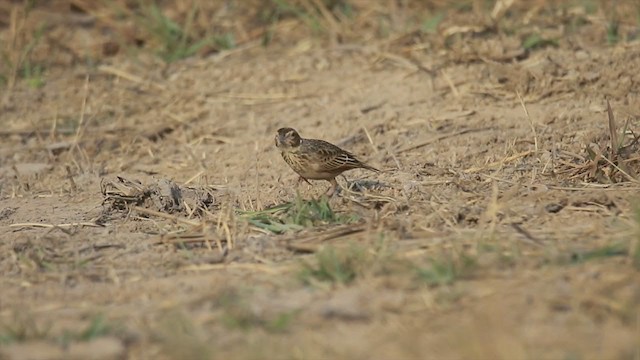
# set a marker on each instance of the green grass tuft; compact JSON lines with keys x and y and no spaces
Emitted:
{"x":180,"y":338}
{"x":283,"y":9}
{"x":535,"y":41}
{"x":346,"y":264}
{"x":335,"y":266}
{"x":23,"y":327}
{"x":602,"y":252}
{"x":635,"y":243}
{"x":177,"y":41}
{"x":237,"y":314}
{"x":98,"y":327}
{"x":613,"y":32}
{"x":447,"y":269}
{"x":296,"y":215}
{"x":430,"y":25}
{"x":19,"y":62}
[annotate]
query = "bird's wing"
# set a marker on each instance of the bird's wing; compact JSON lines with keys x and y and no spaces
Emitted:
{"x":341,"y":161}
{"x":334,"y":159}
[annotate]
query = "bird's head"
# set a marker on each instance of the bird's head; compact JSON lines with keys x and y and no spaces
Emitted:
{"x":287,"y":138}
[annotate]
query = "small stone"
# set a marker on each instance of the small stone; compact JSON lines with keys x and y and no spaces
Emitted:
{"x":553,"y":207}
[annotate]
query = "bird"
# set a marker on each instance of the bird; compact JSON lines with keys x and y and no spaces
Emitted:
{"x":314,"y":159}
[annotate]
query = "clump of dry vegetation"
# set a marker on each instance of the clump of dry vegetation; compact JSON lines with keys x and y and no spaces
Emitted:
{"x":610,"y":158}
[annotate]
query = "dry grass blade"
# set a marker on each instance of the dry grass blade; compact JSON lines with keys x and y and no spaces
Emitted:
{"x":81,"y":121}
{"x":175,"y":219}
{"x":128,"y":76}
{"x":499,"y":163}
{"x":312,"y":242}
{"x":613,"y":133}
{"x":608,"y":158}
{"x":269,"y":269}
{"x":443,"y":137}
{"x":332,"y":24}
{"x":531,"y":239}
{"x":526,"y":112}
{"x":50,"y":226}
{"x":626,"y":174}
{"x":451,"y":84}
{"x":255,"y":99}
{"x":500,"y":8}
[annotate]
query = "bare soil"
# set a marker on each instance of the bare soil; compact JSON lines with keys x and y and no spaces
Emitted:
{"x":485,"y":170}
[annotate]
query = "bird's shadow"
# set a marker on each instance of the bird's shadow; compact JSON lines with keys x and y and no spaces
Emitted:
{"x":364,"y":184}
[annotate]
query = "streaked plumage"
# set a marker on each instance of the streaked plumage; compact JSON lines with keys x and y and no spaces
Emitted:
{"x":316,"y":159}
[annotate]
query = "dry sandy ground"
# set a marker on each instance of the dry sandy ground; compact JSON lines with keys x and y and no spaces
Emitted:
{"x":489,"y":234}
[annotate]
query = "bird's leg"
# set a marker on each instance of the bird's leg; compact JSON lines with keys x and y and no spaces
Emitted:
{"x":333,"y":188}
{"x":301,"y":179}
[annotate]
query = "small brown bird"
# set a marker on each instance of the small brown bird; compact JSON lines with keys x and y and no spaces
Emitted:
{"x":316,"y":159}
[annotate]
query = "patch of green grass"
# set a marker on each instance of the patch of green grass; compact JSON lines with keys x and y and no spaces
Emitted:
{"x":97,"y":327}
{"x":635,"y":256}
{"x":176,"y":41}
{"x":282,"y":321}
{"x":447,"y":269}
{"x":635,"y":243}
{"x":343,"y":7}
{"x":296,"y":215}
{"x":237,"y":314}
{"x":337,"y":266}
{"x":430,"y":25}
{"x":535,"y":41}
{"x":33,"y":74}
{"x":224,"y":41}
{"x":463,"y":6}
{"x":242,"y":318}
{"x":346,"y":264}
{"x":590,"y":6}
{"x":277,"y":10}
{"x":602,"y":252}
{"x":23,"y":327}
{"x":612,"y":25}
{"x":26,"y":327}
{"x":19,"y":62}
{"x":613,"y":32}
{"x":180,"y":338}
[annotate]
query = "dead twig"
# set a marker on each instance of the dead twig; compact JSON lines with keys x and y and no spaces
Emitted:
{"x":501,"y":162}
{"x":442,"y":137}
{"x":312,"y":243}
{"x":452,"y":86}
{"x":533,"y":128}
{"x":52,"y":226}
{"x":128,"y":76}
{"x":532,"y":240}
{"x":626,"y":174}
{"x":613,"y":133}
{"x":165,"y":216}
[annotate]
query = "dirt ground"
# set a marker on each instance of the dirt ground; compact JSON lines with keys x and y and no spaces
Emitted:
{"x":504,"y":224}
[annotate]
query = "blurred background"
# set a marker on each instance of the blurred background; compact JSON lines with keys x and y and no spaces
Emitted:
{"x":38,"y":38}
